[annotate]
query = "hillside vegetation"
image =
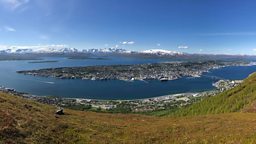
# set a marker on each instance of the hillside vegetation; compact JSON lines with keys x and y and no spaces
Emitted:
{"x":225,"y":118}
{"x":238,"y":99}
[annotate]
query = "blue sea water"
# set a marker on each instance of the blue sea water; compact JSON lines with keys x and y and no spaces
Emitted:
{"x":111,"y":89}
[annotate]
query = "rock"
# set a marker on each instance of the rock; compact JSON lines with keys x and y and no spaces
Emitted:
{"x":60,"y":112}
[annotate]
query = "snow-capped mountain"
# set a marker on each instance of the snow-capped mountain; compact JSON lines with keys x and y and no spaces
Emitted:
{"x":63,"y":49}
{"x":22,"y":51}
{"x":13,"y":50}
{"x":161,"y":52}
{"x":106,"y":50}
{"x":124,"y":51}
{"x":55,"y":50}
{"x":18,"y":50}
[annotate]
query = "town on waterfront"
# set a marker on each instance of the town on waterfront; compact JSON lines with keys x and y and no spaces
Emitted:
{"x":156,"y":71}
{"x":128,"y":106}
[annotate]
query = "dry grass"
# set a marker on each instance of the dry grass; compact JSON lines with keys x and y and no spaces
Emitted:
{"x":226,"y":118}
{"x":24,"y":121}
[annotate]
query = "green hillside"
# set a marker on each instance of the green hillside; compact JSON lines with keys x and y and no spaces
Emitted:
{"x":225,"y":118}
{"x":240,"y":98}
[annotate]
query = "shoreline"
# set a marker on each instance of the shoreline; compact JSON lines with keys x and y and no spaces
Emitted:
{"x":56,"y":73}
{"x":12,"y":90}
{"x":128,"y":106}
{"x":146,"y":81}
{"x":134,"y":105}
{"x":164,"y":102}
{"x":24,"y":94}
{"x":155,"y":71}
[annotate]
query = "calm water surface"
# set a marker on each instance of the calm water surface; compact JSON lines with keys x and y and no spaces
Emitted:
{"x":111,"y":89}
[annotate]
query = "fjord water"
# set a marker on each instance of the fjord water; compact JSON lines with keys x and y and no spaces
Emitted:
{"x":110,"y":89}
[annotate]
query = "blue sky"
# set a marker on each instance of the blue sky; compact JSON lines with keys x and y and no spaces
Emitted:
{"x":194,"y":26}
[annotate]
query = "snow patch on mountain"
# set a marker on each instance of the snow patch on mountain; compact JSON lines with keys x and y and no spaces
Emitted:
{"x":67,"y":49}
{"x":106,"y":50}
{"x":161,"y":52}
{"x":37,"y":49}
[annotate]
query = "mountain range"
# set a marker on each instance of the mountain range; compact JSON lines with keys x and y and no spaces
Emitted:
{"x":16,"y":50}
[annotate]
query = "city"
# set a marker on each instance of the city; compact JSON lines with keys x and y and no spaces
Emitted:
{"x":157,"y":71}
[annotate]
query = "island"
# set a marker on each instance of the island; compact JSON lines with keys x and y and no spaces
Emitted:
{"x":155,"y":71}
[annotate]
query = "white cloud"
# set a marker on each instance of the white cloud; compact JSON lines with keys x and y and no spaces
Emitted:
{"x":183,"y":47}
{"x":44,"y":37}
{"x":254,"y":49}
{"x":127,"y":42}
{"x":13,"y":4}
{"x":9,"y":29}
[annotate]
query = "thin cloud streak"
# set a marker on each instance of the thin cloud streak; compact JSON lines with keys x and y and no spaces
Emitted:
{"x":13,"y":4}
{"x":183,"y":47}
{"x":9,"y":29}
{"x":127,"y":42}
{"x":44,"y":37}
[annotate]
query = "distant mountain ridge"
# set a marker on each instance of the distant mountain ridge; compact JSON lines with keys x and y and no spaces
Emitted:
{"x":17,"y":50}
{"x":161,"y":52}
{"x":106,"y":50}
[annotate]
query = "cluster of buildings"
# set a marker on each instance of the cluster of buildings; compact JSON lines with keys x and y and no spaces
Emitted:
{"x":223,"y":85}
{"x":138,"y":105}
{"x":156,"y":71}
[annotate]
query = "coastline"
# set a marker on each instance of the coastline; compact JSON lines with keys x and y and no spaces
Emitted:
{"x":135,"y":105}
{"x":157,"y":71}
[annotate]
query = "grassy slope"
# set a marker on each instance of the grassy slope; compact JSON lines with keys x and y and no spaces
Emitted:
{"x":24,"y":121}
{"x":240,"y":98}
